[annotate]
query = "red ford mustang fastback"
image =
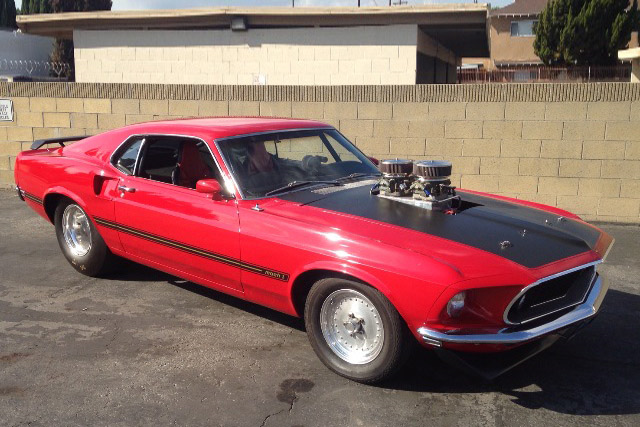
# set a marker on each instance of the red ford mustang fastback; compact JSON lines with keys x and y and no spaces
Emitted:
{"x":290,"y":215}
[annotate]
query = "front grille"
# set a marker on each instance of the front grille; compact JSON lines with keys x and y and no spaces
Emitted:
{"x":552,"y":296}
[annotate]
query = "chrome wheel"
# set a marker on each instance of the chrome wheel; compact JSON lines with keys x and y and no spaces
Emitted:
{"x":352,"y":327}
{"x":76,"y":230}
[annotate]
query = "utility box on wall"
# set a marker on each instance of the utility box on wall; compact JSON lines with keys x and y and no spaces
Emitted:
{"x":6,"y":110}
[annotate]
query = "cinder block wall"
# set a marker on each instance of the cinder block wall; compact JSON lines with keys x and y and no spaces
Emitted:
{"x":576,"y":146}
{"x":319,"y":56}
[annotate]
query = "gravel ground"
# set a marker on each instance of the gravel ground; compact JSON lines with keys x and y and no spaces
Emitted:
{"x":144,"y":347}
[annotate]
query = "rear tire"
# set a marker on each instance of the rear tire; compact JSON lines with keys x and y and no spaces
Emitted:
{"x":80,"y":241}
{"x":355,"y":330}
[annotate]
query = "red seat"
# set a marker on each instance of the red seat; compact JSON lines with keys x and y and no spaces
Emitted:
{"x":191,"y":167}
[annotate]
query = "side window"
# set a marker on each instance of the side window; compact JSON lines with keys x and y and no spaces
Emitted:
{"x":177,"y":161}
{"x":159,"y":159}
{"x":514,"y":29}
{"x":125,"y":160}
{"x":523,"y":28}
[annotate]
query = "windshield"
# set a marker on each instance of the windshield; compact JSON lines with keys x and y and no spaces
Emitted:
{"x":266,"y":162}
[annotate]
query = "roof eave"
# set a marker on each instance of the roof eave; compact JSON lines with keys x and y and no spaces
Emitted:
{"x":62,"y":24}
{"x":515,"y":15}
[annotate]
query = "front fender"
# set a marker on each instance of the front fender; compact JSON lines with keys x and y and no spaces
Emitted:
{"x":347,"y":269}
{"x":412,"y":297}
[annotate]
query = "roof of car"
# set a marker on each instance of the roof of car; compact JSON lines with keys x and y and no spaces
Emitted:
{"x":222,"y":127}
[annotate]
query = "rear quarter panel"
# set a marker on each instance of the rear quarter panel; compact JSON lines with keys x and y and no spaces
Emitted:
{"x":48,"y":174}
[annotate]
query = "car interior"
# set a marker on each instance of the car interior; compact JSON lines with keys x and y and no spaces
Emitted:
{"x":172,"y":160}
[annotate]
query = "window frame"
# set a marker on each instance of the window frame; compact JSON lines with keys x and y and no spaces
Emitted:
{"x":145,"y":136}
{"x":517,"y":22}
{"x":122,"y":148}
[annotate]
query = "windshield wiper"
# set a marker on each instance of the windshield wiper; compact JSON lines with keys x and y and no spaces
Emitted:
{"x":296,"y":184}
{"x":356,"y":175}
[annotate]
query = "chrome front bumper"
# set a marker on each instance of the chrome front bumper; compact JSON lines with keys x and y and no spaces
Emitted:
{"x":510,"y":336}
{"x":20,"y":193}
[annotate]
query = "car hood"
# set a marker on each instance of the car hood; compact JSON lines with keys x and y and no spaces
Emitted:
{"x":524,"y":235}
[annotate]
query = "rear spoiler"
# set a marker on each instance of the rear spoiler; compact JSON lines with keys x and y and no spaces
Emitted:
{"x":40,"y":142}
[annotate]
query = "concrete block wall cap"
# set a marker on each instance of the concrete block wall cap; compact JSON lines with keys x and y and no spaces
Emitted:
{"x":528,"y":97}
{"x":633,"y":53}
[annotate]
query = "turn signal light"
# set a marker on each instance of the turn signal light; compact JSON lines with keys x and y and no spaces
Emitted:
{"x":456,"y":304}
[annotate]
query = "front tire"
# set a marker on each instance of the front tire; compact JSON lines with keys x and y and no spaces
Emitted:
{"x":80,"y":241}
{"x":355,"y":330}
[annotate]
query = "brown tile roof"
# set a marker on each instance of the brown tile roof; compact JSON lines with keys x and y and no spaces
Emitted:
{"x":521,"y":7}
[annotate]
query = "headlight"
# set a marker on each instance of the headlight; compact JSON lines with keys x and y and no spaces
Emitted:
{"x":456,"y":304}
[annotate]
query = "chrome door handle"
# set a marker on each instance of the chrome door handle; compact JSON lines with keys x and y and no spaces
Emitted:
{"x":126,"y":189}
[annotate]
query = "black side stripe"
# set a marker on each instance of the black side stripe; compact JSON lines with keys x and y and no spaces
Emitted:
{"x":277,"y":275}
{"x":32,"y":197}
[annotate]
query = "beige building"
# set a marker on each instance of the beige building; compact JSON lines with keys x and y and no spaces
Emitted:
{"x":299,"y":56}
{"x":271,"y":46}
{"x":511,"y":34}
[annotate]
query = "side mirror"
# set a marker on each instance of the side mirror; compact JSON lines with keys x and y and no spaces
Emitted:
{"x":210,"y":186}
{"x":374,"y":161}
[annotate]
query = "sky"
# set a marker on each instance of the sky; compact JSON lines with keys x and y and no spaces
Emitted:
{"x":171,"y":4}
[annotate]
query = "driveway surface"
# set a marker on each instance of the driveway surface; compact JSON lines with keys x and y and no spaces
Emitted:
{"x":143,"y":348}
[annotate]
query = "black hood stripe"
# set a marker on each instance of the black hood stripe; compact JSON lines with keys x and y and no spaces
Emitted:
{"x":536,"y":237}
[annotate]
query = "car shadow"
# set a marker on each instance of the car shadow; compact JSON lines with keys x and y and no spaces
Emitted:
{"x":595,"y":373}
{"x":135,"y":272}
{"x":129,"y":271}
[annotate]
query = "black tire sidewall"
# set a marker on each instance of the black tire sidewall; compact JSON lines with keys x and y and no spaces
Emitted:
{"x":93,"y":262}
{"x":391,"y":355}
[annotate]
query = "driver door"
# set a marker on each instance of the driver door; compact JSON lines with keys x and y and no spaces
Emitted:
{"x":163,"y":220}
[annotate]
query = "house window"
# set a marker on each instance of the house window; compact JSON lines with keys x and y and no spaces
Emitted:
{"x":523,"y":28}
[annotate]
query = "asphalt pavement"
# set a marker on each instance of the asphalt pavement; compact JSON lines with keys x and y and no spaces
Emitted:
{"x":146,"y":348}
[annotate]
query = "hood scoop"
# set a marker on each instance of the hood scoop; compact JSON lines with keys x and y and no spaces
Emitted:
{"x":423,"y":184}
